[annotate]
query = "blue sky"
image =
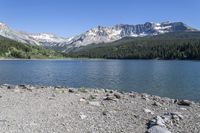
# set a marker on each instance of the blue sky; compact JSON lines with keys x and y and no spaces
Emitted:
{"x":71,"y":17}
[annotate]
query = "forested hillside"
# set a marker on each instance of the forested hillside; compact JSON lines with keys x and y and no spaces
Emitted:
{"x":13,"y":49}
{"x":177,"y":45}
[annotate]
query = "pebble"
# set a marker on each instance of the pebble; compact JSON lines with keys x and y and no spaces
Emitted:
{"x":148,"y":111}
{"x":82,"y":116}
{"x":58,"y":87}
{"x":157,"y":98}
{"x":118,"y":96}
{"x":71,"y":90}
{"x":17,"y":90}
{"x":157,"y":104}
{"x":104,"y":112}
{"x":25,"y":87}
{"x":53,"y":95}
{"x":183,"y":108}
{"x":158,"y":129}
{"x":107,"y":94}
{"x":108,"y":98}
{"x":144,"y":96}
{"x":132,"y":95}
{"x":94,"y":103}
{"x":10,"y":86}
{"x":92,"y":97}
{"x":157,"y":121}
{"x":82,"y":100}
{"x":111,"y":91}
{"x":178,"y":114}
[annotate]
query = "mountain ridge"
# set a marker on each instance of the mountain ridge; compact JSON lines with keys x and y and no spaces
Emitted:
{"x":96,"y":35}
{"x":175,"y":45}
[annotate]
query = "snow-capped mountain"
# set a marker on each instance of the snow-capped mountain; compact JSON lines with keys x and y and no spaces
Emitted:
{"x":5,"y":31}
{"x":95,"y":35}
{"x":49,"y":40}
{"x":113,"y":33}
{"x":42,"y":39}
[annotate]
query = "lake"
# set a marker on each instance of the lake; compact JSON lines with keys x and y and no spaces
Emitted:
{"x":174,"y":79}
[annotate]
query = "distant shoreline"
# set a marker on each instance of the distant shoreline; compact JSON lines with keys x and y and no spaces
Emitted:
{"x":4,"y":59}
{"x":48,"y":58}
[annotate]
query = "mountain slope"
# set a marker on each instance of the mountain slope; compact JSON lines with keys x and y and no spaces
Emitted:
{"x":13,"y":49}
{"x":175,"y":45}
{"x":117,"y":32}
{"x":7,"y":32}
{"x":96,"y":35}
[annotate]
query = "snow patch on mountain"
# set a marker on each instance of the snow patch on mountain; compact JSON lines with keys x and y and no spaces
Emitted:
{"x":95,"y":35}
{"x":109,"y":34}
{"x":45,"y":37}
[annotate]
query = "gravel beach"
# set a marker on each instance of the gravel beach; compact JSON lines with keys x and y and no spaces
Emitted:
{"x":39,"y":109}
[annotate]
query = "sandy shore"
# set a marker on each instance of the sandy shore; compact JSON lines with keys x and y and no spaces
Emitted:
{"x":37,"y":109}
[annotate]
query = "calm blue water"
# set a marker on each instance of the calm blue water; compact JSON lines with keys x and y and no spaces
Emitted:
{"x":175,"y":79}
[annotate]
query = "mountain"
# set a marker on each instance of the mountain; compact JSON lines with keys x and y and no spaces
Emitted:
{"x":117,"y":32}
{"x":96,"y":35}
{"x":172,"y":45}
{"x":13,"y":49}
{"x":22,"y":37}
{"x":49,"y":40}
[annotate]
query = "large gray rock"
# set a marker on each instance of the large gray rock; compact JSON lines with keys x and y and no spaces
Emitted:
{"x":184,"y":102}
{"x":157,"y":121}
{"x":158,"y":129}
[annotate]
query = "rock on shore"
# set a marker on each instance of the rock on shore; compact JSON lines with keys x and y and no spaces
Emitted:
{"x":39,"y":109}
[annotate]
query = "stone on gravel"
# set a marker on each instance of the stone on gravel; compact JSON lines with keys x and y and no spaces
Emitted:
{"x":17,"y":90}
{"x":83,"y":90}
{"x":158,"y":129}
{"x":58,"y":87}
{"x":183,"y":108}
{"x":104,"y":112}
{"x":132,"y":95}
{"x":157,"y":121}
{"x":145,"y":96}
{"x":53,"y":95}
{"x":82,"y":100}
{"x":178,"y":114}
{"x":10,"y":86}
{"x":82,"y":116}
{"x":111,"y":91}
{"x":148,"y":111}
{"x":118,"y":96}
{"x":94,"y":103}
{"x":184,"y":102}
{"x":92,"y":97}
{"x":108,"y":98}
{"x":71,"y":90}
{"x":25,"y":87}
{"x":157,"y":104}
